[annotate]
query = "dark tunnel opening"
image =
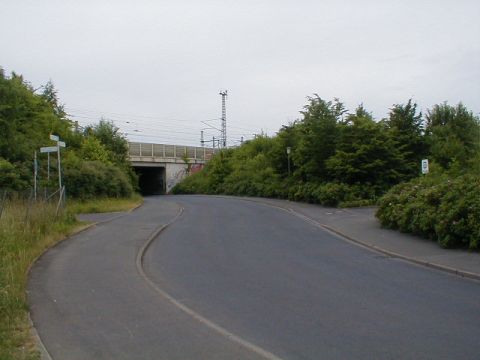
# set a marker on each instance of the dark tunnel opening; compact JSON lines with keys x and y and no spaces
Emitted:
{"x":151,"y":180}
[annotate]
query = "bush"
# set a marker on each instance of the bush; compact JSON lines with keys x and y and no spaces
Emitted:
{"x":9,"y":176}
{"x":438,"y":207}
{"x":89,"y":179}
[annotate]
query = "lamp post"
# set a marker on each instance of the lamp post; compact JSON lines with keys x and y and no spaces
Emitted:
{"x":289,"y":149}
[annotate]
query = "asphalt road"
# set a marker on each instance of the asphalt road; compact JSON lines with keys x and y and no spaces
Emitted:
{"x":232,"y":279}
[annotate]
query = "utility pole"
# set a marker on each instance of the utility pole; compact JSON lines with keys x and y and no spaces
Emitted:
{"x":202,"y":142}
{"x":223,"y":139}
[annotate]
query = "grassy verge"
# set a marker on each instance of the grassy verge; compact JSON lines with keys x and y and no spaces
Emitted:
{"x":104,"y":205}
{"x":26,"y":231}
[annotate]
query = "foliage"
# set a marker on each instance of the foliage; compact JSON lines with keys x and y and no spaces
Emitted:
{"x":440,"y":207}
{"x":406,"y":126}
{"x":336,"y":158}
{"x":9,"y":177}
{"x":453,"y":133}
{"x":365,"y":154}
{"x":91,"y":179}
{"x":349,"y":159}
{"x":93,"y":150}
{"x":114,"y":143}
{"x":26,"y":121}
{"x":318,"y":135}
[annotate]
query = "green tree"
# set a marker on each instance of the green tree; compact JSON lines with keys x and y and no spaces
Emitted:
{"x":406,"y":127}
{"x":111,"y":138}
{"x":26,"y":120}
{"x":453,"y":135}
{"x":365,"y":153}
{"x":318,"y":133}
{"x":287,"y":136}
{"x":92,"y":149}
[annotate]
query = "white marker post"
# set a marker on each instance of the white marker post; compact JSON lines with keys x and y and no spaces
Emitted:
{"x":425,"y":166}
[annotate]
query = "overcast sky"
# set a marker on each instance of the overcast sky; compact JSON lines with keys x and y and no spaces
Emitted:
{"x":156,"y":67}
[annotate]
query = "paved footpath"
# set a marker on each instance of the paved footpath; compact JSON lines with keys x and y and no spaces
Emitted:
{"x":361,"y":226}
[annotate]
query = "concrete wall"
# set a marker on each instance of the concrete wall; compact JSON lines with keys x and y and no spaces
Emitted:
{"x":167,"y":174}
{"x":174,"y":174}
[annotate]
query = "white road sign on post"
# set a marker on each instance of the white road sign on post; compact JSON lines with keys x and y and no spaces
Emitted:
{"x":425,"y":166}
{"x":48,"y":149}
{"x":54,"y":137}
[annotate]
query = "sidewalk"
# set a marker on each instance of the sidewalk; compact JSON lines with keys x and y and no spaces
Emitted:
{"x":361,"y":226}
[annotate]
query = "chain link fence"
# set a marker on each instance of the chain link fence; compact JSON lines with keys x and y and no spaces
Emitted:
{"x":22,"y":204}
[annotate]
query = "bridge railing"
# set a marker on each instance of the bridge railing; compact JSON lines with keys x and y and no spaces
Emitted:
{"x":174,"y":152}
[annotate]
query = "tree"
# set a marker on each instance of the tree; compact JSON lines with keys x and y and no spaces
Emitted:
{"x":318,"y":136}
{"x":287,"y":136}
{"x":365,"y":153}
{"x":110,"y":137}
{"x":50,"y":94}
{"x":406,"y":127}
{"x":453,"y":134}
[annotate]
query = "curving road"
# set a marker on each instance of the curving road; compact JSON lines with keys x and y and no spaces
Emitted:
{"x":233,"y":279}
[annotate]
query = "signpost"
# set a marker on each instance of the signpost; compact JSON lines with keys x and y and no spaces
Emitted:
{"x":48,"y":149}
{"x":52,"y":149}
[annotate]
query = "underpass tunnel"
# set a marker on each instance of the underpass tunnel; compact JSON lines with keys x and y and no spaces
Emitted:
{"x":151,"y":180}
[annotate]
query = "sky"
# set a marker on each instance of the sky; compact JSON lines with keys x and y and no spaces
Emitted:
{"x":155,"y":68}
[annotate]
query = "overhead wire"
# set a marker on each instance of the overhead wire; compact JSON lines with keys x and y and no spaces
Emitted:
{"x":134,"y":125}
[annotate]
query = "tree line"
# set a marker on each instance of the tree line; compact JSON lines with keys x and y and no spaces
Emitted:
{"x":341,"y":158}
{"x":95,"y":161}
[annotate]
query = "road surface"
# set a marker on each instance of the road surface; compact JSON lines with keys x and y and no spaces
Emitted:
{"x":233,"y":279}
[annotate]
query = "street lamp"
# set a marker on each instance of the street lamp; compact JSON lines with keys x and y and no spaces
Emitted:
{"x":289,"y":149}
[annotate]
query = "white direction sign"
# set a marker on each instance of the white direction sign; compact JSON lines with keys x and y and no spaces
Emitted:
{"x":48,"y":149}
{"x":54,"y":137}
{"x":425,"y":166}
{"x":61,"y":143}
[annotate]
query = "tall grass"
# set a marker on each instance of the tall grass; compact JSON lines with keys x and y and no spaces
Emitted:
{"x":101,"y":205}
{"x":26,"y":229}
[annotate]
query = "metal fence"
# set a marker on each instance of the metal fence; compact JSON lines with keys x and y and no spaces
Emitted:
{"x":29,"y":199}
{"x":165,"y":151}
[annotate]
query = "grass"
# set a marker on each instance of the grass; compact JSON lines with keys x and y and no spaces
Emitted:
{"x":26,"y":231}
{"x":104,"y":205}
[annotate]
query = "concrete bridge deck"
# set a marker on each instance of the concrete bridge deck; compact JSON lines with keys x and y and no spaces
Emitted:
{"x":161,"y":166}
{"x":163,"y":153}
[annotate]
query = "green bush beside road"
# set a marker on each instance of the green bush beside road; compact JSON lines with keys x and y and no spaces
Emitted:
{"x":443,"y":208}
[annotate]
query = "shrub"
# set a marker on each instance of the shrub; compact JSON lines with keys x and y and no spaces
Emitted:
{"x":443,"y":209}
{"x":9,"y":177}
{"x":89,"y":179}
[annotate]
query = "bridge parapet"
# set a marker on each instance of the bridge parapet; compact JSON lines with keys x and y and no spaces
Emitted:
{"x":146,"y":152}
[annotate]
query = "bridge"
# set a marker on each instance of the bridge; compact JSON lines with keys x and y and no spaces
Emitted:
{"x":160,"y":166}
